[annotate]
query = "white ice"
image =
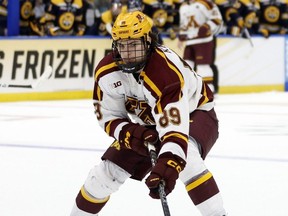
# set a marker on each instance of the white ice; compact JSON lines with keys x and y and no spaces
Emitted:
{"x":47,"y":149}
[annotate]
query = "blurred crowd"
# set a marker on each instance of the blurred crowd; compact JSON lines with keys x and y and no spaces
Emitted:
{"x":95,"y":17}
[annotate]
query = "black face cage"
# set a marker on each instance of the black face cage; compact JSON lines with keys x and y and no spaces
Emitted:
{"x":133,"y":65}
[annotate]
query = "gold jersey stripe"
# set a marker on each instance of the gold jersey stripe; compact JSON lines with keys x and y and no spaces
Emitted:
{"x":172,"y":67}
{"x":154,"y":88}
{"x":99,"y":93}
{"x":104,"y":68}
{"x":208,"y":6}
{"x":206,"y":99}
{"x":108,"y":127}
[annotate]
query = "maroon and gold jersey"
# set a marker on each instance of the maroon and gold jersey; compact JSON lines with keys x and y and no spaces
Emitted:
{"x":165,"y":93}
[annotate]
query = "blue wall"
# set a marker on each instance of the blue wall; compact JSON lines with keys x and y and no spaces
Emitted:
{"x":13,"y":17}
{"x":286,"y":63}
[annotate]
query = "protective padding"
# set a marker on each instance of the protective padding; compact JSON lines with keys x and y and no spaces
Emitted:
{"x":194,"y":163}
{"x":104,"y":179}
{"x":205,"y":71}
{"x":212,"y":206}
{"x":78,"y":212}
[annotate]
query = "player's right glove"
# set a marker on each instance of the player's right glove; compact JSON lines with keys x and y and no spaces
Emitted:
{"x":133,"y":136}
{"x":167,"y":168}
{"x":182,"y":37}
{"x":204,"y":31}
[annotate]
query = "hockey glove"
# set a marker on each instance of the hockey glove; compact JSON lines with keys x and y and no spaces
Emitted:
{"x":133,"y":136}
{"x":204,"y":31}
{"x":182,"y":37}
{"x":167,"y":168}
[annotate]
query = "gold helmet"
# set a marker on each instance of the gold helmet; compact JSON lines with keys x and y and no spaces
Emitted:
{"x":131,"y":25}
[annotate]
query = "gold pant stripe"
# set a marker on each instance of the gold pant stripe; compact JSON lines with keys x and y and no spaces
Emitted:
{"x":91,"y":199}
{"x":199,"y":181}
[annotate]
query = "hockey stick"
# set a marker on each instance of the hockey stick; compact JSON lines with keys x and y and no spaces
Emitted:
{"x":161,"y":188}
{"x":46,"y":74}
{"x":248,"y":36}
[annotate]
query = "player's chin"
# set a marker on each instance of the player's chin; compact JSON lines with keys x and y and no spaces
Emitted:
{"x":132,"y":60}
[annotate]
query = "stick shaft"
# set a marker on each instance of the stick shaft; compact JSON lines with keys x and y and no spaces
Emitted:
{"x":161,"y":189}
{"x":247,"y":34}
{"x":45,"y":75}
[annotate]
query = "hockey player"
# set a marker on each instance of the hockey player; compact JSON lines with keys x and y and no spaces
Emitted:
{"x":64,"y":17}
{"x":199,"y":21}
{"x":145,"y":92}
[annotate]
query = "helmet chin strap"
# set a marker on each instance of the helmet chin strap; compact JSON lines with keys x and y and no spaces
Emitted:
{"x":138,"y":67}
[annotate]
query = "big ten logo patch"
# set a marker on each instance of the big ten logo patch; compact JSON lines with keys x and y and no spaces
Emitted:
{"x":115,"y":84}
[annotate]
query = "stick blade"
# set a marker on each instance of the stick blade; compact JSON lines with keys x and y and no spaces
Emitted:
{"x":46,"y":75}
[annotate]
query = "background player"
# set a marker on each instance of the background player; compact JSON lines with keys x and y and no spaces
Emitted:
{"x":199,"y":22}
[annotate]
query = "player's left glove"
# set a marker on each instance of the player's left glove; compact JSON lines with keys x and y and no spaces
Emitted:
{"x":167,"y":168}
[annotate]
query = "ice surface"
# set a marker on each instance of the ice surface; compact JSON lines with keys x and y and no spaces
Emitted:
{"x":47,"y":149}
